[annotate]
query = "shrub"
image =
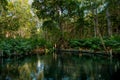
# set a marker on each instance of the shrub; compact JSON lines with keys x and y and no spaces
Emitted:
{"x":95,"y":43}
{"x":21,"y":45}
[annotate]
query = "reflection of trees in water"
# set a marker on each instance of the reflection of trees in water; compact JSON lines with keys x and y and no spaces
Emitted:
{"x":32,"y":71}
{"x":60,"y":68}
{"x":8,"y":71}
{"x":81,"y":68}
{"x":22,"y":70}
{"x":51,"y":69}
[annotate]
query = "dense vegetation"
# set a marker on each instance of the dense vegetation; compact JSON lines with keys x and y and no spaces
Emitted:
{"x":22,"y":46}
{"x":86,"y":24}
{"x":96,"y":44}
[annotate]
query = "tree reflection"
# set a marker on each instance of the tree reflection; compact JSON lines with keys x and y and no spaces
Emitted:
{"x":62,"y":67}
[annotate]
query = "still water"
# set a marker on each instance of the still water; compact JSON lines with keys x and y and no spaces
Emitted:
{"x":59,"y":67}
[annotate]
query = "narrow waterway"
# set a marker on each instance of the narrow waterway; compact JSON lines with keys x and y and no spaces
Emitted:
{"x":59,"y":67}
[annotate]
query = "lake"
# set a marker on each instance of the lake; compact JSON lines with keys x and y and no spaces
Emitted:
{"x":59,"y":67}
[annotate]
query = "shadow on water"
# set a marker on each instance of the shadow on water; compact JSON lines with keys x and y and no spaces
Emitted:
{"x":60,"y":67}
{"x":116,"y":75}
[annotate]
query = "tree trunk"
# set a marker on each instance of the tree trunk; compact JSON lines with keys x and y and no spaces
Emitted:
{"x":61,"y":39}
{"x":95,"y":20}
{"x":96,"y":28}
{"x":95,"y":31}
{"x":108,"y":22}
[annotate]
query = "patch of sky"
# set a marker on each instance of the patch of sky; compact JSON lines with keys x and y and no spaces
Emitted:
{"x":65,"y":12}
{"x":41,"y":1}
{"x":30,"y":2}
{"x":99,"y":9}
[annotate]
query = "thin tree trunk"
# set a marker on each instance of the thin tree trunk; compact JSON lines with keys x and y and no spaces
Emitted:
{"x":108,"y":22}
{"x":97,"y":30}
{"x":60,"y":42}
{"x":99,"y":33}
{"x":95,"y":20}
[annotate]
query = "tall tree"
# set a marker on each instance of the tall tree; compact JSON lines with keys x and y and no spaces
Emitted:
{"x":108,"y":18}
{"x":56,"y":12}
{"x":3,"y":10}
{"x":112,"y":14}
{"x":17,"y":20}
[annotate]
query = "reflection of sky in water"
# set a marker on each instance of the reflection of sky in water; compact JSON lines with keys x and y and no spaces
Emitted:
{"x":39,"y":70}
{"x":40,"y":67}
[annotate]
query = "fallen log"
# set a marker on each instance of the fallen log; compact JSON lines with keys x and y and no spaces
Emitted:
{"x":83,"y":52}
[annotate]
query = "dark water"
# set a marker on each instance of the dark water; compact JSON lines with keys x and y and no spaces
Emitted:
{"x":64,"y":67}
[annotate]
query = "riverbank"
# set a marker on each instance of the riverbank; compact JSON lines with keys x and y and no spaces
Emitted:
{"x":10,"y":47}
{"x":78,"y":52}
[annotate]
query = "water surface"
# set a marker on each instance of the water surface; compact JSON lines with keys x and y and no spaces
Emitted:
{"x":59,"y":67}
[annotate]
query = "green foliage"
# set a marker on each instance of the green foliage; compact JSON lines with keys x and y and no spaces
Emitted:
{"x":113,"y":42}
{"x":69,"y":18}
{"x":50,"y":25}
{"x":36,"y":42}
{"x":56,"y":12}
{"x":17,"y":46}
{"x":95,"y":43}
{"x":20,"y":46}
{"x":74,"y":43}
{"x":4,"y":4}
{"x":17,"y":19}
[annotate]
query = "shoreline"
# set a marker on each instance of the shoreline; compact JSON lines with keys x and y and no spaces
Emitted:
{"x":66,"y":51}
